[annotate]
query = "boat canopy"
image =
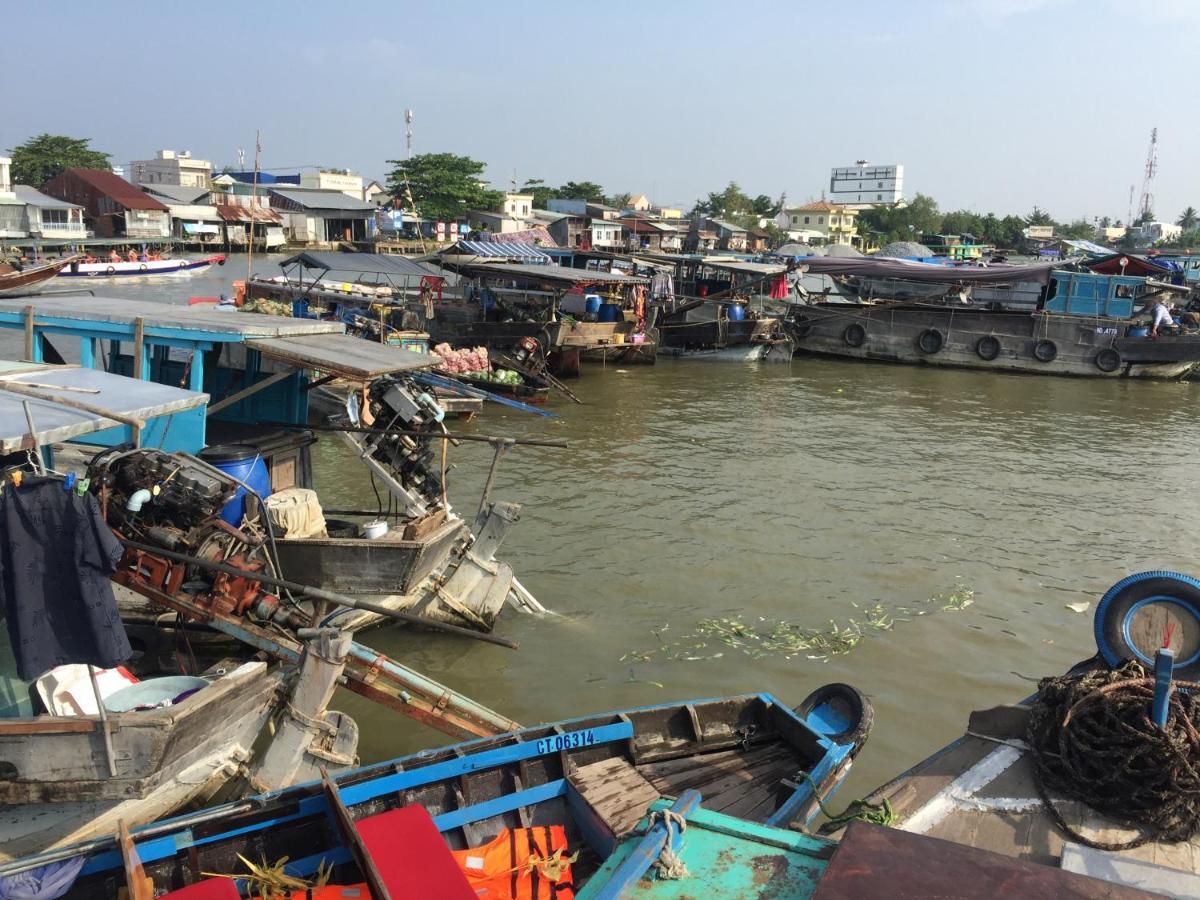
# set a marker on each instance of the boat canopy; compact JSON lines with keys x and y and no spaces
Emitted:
{"x":873,"y":267}
{"x":362,"y":263}
{"x":560,"y":276}
{"x":69,"y":402}
{"x":498,"y":249}
{"x":342,"y":355}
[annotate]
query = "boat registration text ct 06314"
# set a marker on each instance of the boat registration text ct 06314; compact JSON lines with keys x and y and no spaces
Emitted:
{"x":572,"y":740}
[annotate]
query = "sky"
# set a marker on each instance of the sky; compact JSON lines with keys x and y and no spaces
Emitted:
{"x":990,"y":105}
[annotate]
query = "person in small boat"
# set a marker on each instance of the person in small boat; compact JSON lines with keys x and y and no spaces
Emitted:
{"x":114,"y":256}
{"x":132,"y":256}
{"x":155,"y":256}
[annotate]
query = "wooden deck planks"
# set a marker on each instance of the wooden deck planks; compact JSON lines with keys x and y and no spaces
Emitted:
{"x":616,"y":792}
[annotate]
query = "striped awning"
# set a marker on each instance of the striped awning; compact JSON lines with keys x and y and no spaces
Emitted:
{"x":499,"y":249}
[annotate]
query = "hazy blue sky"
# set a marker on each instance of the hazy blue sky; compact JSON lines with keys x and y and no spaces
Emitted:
{"x":989,"y":104}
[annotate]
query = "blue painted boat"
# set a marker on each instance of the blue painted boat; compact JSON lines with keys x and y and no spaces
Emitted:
{"x":578,"y":805}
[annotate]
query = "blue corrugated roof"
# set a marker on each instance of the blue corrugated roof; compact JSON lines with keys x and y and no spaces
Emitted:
{"x":500,"y":249}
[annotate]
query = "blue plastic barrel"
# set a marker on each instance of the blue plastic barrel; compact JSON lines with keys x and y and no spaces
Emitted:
{"x":736,"y":312}
{"x":591,"y":305}
{"x":1139,"y":331}
{"x":244,"y":463}
{"x":609,"y":312}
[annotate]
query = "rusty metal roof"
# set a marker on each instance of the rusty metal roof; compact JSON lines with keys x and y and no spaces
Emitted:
{"x":233,"y":213}
{"x":112,"y":186}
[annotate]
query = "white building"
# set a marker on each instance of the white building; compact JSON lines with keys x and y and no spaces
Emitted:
{"x":1153,"y":232}
{"x":517,"y":206}
{"x":340,"y":180}
{"x":12,"y":210}
{"x":170,"y":167}
{"x":863,"y":185}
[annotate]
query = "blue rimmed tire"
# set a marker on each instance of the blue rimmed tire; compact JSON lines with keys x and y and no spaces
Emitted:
{"x":1136,"y":614}
{"x":840,"y":712}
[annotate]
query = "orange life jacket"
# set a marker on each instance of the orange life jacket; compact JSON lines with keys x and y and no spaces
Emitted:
{"x":521,"y":864}
{"x":334,"y":892}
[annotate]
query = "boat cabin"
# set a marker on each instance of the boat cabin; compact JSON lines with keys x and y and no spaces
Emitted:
{"x":1089,"y":294}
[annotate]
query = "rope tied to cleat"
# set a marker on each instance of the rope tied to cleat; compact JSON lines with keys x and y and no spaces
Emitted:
{"x":856,"y":811}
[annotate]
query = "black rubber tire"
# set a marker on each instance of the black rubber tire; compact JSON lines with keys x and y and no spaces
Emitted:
{"x":1108,"y":360}
{"x":340,"y":528}
{"x":1045,"y":351}
{"x":801,"y":330}
{"x":142,"y":267}
{"x":854,"y":335}
{"x":859,"y":709}
{"x":988,"y":347}
{"x":1120,"y":598}
{"x":110,"y":270}
{"x":931,"y":341}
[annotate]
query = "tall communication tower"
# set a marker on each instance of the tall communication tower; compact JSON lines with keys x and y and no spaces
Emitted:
{"x":408,"y":132}
{"x":1146,"y":203}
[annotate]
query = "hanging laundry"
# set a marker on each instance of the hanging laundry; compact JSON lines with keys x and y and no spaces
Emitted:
{"x":56,"y":557}
{"x":662,"y":286}
{"x":779,"y":287}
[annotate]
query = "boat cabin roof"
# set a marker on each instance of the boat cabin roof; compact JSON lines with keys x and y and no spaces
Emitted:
{"x":342,"y":355}
{"x":114,"y":317}
{"x":560,"y":276}
{"x":387,"y":265}
{"x":55,"y":421}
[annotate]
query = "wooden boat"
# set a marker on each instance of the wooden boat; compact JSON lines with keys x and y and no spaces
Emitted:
{"x":980,"y":790}
{"x":27,"y":279}
{"x":741,"y":767}
{"x":721,"y":329}
{"x":58,"y":789}
{"x":109,"y":269}
{"x":1084,"y":325}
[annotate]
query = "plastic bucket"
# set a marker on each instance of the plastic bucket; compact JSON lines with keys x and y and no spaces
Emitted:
{"x":1139,"y":331}
{"x":591,"y":305}
{"x":609,"y":312}
{"x":736,"y":312}
{"x":244,"y":463}
{"x":152,"y":692}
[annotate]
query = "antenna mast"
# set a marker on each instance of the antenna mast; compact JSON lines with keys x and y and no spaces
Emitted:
{"x":1146,"y":203}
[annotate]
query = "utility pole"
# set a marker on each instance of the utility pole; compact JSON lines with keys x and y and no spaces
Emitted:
{"x":253,"y":203}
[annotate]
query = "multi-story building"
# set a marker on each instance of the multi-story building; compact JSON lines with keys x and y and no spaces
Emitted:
{"x":170,"y":167}
{"x":819,"y":222}
{"x":864,"y":185}
{"x":112,"y":206}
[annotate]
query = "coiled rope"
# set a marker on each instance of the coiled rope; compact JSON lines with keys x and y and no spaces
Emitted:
{"x":668,"y":865}
{"x":1092,"y":740}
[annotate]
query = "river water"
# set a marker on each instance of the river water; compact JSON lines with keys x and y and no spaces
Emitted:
{"x":964,"y":510}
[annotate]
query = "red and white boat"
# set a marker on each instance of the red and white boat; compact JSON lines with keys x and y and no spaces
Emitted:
{"x":109,"y":269}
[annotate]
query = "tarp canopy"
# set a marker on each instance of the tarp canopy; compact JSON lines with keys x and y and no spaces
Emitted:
{"x":1088,"y":247}
{"x":550,"y":274}
{"x":499,"y":249}
{"x":1134,"y":265}
{"x":362,"y":263}
{"x":205,"y":228}
{"x":875,"y":267}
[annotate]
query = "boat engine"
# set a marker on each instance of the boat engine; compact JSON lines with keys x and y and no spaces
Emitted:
{"x":398,"y":401}
{"x":174,"y":501}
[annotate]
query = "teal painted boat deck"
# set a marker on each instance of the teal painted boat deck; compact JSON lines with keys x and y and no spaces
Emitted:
{"x":726,"y":858}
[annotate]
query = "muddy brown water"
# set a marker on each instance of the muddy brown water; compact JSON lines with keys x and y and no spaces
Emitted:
{"x":807,"y":494}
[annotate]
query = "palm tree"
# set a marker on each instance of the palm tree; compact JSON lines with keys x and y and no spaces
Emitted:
{"x":1188,"y":219}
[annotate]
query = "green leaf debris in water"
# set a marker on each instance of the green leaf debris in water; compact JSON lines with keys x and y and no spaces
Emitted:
{"x":790,"y":639}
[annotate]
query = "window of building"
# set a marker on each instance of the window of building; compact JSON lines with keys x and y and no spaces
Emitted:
{"x":54,"y":217}
{"x":881,"y":185}
{"x":820,"y":220}
{"x":879,"y":196}
{"x":806,"y":220}
{"x":795,"y":220}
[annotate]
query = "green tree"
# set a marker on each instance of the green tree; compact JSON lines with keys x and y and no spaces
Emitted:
{"x":620,"y":201}
{"x":1079,"y":230}
{"x":1143,"y":218}
{"x":444,"y":186}
{"x":1039,"y":217}
{"x":542,"y":193}
{"x":43,"y":157}
{"x":731,"y":205}
{"x":762,"y":205}
{"x":582,"y":190}
{"x":902,"y":223}
{"x":1188,"y":219}
{"x":962,"y":221}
